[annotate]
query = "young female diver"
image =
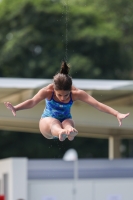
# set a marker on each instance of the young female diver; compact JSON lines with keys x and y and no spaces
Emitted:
{"x":56,"y":120}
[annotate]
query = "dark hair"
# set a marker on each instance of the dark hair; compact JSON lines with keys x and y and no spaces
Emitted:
{"x":62,"y":80}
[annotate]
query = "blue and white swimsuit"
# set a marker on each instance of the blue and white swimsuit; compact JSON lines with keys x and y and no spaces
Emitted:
{"x":57,"y":110}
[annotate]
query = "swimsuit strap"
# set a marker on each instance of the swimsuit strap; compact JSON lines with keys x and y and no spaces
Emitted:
{"x":52,"y":95}
{"x":71,"y":96}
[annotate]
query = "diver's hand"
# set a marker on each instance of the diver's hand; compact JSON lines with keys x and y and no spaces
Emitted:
{"x":10,"y":107}
{"x":121,"y":116}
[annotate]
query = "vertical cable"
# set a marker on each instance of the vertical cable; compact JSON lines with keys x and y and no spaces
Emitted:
{"x":66,"y":29}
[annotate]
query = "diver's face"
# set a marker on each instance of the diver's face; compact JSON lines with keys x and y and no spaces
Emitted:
{"x":62,"y":95}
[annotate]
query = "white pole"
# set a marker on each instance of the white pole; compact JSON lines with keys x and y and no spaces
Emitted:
{"x":75,"y":179}
{"x":71,"y":155}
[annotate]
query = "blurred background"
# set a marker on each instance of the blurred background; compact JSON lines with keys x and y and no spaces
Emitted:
{"x":94,"y":36}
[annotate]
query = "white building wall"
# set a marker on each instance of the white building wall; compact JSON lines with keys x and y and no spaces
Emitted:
{"x":59,"y":190}
{"x":113,"y":189}
{"x":91,"y":189}
{"x":19,"y":187}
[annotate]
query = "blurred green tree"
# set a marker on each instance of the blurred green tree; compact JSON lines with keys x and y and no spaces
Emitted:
{"x":36,"y":146}
{"x":33,"y":39}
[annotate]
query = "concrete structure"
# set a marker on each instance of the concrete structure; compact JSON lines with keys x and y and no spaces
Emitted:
{"x":13,"y":178}
{"x":54,"y":179}
{"x":88,"y":121}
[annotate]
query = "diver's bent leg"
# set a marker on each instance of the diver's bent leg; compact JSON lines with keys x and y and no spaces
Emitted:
{"x":51,"y":127}
{"x":58,"y":131}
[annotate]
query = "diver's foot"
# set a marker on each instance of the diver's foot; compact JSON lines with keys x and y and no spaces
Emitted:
{"x":72,"y":135}
{"x":63,"y":135}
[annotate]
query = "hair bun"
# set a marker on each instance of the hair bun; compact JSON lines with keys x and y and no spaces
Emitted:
{"x":64,"y":68}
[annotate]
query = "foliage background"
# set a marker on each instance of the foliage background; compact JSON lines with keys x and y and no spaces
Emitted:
{"x":95,"y":37}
